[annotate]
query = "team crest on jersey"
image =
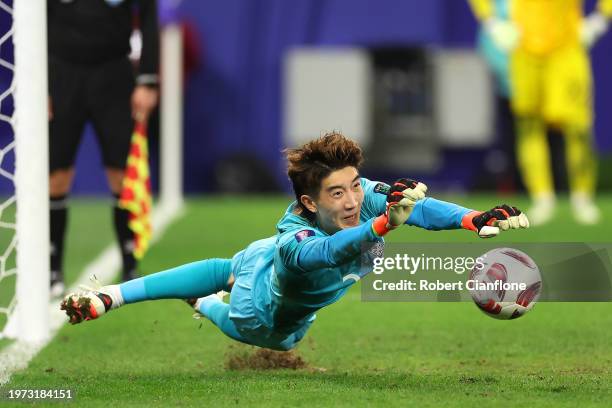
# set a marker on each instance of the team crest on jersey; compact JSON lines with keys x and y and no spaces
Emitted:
{"x":303,"y":234}
{"x":376,"y":250}
{"x":381,"y":188}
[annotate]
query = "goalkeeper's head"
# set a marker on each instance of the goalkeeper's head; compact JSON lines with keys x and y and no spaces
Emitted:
{"x":325,"y":177}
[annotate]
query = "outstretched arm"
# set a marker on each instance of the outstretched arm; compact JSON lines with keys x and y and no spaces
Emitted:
{"x":334,"y":250}
{"x":433,"y":214}
{"x":427,"y":213}
{"x":312,"y":252}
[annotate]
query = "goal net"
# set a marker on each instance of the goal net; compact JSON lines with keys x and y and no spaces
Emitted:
{"x":8,"y":238}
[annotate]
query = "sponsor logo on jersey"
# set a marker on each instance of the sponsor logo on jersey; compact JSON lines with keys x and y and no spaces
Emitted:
{"x":303,"y":234}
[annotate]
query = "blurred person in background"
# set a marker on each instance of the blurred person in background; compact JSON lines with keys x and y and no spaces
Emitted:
{"x":551,"y":85}
{"x":497,"y":60}
{"x":92,"y":79}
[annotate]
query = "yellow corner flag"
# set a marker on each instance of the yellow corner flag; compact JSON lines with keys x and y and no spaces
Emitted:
{"x":136,"y":191}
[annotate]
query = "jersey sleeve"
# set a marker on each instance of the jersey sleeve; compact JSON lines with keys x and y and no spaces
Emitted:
{"x":149,"y":59}
{"x":428,"y":213}
{"x":374,"y":203}
{"x":306,"y":250}
{"x":433,"y":214}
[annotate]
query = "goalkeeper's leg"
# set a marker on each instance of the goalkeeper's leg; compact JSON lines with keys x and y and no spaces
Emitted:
{"x":217,"y":311}
{"x":569,"y":99}
{"x":193,"y":280}
{"x":213,"y":308}
{"x":534,"y":162}
{"x":582,"y":174}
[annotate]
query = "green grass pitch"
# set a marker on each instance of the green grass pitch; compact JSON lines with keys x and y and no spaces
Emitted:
{"x":397,"y":354}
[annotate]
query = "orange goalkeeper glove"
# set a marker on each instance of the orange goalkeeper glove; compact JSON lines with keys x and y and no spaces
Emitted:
{"x":401,"y":199}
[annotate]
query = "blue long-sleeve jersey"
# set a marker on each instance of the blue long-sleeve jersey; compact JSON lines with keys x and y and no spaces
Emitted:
{"x":303,"y":269}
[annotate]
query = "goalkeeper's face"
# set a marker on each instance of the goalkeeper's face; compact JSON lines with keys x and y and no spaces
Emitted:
{"x":339,"y":202}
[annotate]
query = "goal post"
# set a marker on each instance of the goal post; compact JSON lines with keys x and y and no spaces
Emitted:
{"x":30,"y":124}
{"x":171,"y":116}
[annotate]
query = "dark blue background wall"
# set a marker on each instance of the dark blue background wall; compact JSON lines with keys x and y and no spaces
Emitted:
{"x":235,"y":103}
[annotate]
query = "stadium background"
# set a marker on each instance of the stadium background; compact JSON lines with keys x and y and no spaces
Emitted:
{"x":431,"y":354}
{"x":234,"y":90}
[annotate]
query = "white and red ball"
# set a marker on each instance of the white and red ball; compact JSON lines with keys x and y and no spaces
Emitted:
{"x":506,"y":284}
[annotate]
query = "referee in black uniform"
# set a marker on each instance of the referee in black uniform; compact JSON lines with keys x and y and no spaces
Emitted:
{"x":92,"y":79}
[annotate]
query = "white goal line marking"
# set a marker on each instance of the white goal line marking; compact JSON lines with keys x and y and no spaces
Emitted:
{"x":16,"y":356}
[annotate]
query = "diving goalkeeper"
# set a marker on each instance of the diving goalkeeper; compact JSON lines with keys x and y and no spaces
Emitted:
{"x":279,"y":283}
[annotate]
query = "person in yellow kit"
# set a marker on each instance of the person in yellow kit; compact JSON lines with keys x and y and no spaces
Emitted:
{"x":551,"y":85}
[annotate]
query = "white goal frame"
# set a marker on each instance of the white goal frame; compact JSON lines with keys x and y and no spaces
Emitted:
{"x":171,"y":118}
{"x":30,"y":124}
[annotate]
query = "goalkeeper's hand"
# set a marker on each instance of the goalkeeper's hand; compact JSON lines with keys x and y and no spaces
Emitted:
{"x":504,"y":33}
{"x":489,"y":223}
{"x":401,"y":200}
{"x":592,"y":28}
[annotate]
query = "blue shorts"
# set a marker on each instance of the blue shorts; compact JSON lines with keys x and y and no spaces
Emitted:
{"x":250,"y":306}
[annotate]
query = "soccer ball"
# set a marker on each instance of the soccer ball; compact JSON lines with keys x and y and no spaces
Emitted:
{"x":506,"y":284}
